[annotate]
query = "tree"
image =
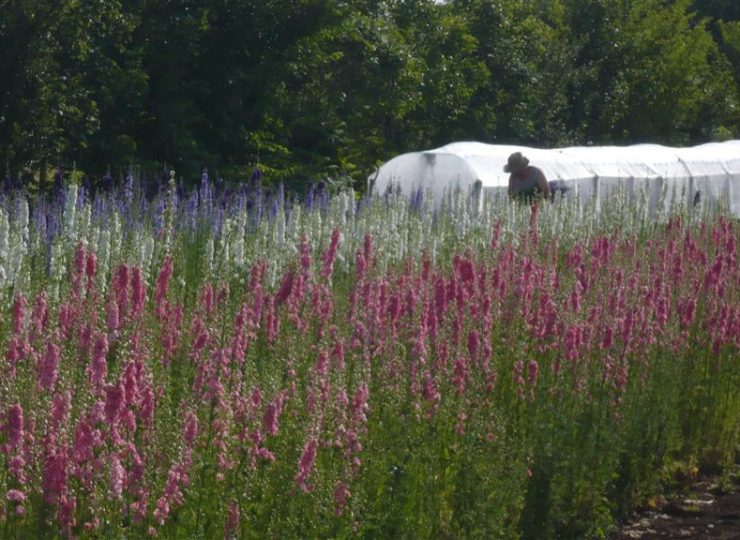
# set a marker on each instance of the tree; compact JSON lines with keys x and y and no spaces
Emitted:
{"x":726,"y":10}
{"x":525,"y":48}
{"x":680,"y":88}
{"x":68,"y":67}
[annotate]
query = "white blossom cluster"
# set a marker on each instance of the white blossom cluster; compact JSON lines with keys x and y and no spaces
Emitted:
{"x":399,"y":230}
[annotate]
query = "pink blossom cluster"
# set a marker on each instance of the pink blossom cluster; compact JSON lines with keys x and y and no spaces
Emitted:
{"x":165,"y":406}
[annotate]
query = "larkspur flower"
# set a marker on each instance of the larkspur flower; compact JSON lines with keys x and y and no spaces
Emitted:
{"x":306,"y":464}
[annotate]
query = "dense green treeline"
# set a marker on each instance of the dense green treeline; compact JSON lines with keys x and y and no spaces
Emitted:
{"x":328,"y":88}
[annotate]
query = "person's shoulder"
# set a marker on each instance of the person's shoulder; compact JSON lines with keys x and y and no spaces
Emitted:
{"x":537,"y":170}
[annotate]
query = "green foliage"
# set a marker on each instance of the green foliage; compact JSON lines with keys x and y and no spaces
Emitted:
{"x":312,"y":89}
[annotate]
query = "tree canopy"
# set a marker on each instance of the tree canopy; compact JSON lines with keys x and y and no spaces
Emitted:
{"x":308,"y":89}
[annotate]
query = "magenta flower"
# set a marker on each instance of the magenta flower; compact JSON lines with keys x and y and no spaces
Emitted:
{"x":84,"y":440}
{"x":39,"y":317}
{"x":138,"y":291}
{"x":112,"y":317}
{"x":305,"y":253}
{"x":330,"y":255}
{"x":91,"y":267}
{"x":117,"y":476}
{"x":190,"y":430}
{"x":341,"y":497}
{"x":232,"y":521}
{"x":473,"y":343}
{"x":49,"y":367}
{"x":322,"y":363}
{"x":19,"y":313}
{"x":160,"y":290}
{"x":60,"y":406}
{"x":16,"y":466}
{"x":461,"y":374}
{"x":98,"y":368}
{"x":54,"y":482}
{"x":16,"y":496}
{"x":271,"y":418}
{"x":14,"y":426}
{"x":286,"y":288}
{"x":305,"y":465}
{"x":113,"y":402}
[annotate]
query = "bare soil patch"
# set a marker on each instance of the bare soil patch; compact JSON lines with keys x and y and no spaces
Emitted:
{"x":704,"y":512}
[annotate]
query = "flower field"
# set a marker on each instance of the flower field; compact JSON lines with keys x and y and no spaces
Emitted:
{"x":235,"y":364}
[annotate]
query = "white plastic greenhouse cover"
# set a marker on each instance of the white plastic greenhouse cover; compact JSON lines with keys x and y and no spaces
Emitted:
{"x":712,"y":169}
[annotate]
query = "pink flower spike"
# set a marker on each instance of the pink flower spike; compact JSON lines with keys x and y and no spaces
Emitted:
{"x":138,"y":291}
{"x":305,"y":465}
{"x":285,"y":288}
{"x":14,"y":426}
{"x":190,"y":431}
{"x":117,"y":476}
{"x":271,"y":419}
{"x":19,"y":313}
{"x":160,"y":290}
{"x":91,"y":266}
{"x":113,"y":402}
{"x":533,"y":371}
{"x":54,"y":482}
{"x":232,"y":520}
{"x":111,"y":316}
{"x":341,"y":497}
{"x":60,"y":406}
{"x":49,"y":367}
{"x":330,"y":254}
{"x":98,"y":368}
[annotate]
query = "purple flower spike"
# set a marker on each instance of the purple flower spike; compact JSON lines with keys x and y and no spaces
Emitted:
{"x":256,"y":177}
{"x":107,"y":181}
{"x":310,"y":198}
{"x":159,"y":216}
{"x":59,"y":180}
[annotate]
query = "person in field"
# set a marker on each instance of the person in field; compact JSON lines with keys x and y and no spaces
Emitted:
{"x":526,"y":182}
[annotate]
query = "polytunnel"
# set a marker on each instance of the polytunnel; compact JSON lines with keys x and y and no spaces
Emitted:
{"x":708,"y":172}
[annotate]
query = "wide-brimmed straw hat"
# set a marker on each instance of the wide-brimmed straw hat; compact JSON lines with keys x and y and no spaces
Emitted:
{"x":516,"y":162}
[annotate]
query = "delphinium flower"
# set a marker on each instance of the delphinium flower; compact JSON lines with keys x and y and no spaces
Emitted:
{"x":70,"y":212}
{"x":330,"y":254}
{"x":357,"y":425}
{"x":19,"y":346}
{"x":306,"y":465}
{"x":14,"y":428}
{"x":233,"y":519}
{"x":341,"y":497}
{"x":270,"y":427}
{"x":172,"y":496}
{"x":22,"y":218}
{"x":160,"y":218}
{"x":48,"y":367}
{"x":160,"y":290}
{"x":39,"y":318}
{"x":309,"y":199}
{"x":171,"y":331}
{"x":205,"y":194}
{"x":55,"y":486}
{"x":17,"y":498}
{"x":97,"y":370}
{"x":4,"y":236}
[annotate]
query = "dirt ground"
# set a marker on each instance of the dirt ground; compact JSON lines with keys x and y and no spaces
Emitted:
{"x":704,"y":513}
